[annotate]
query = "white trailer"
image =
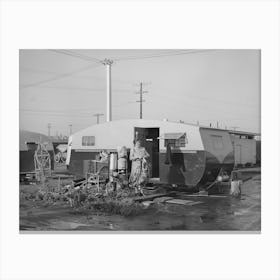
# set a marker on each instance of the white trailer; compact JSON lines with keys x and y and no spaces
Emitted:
{"x":245,"y":150}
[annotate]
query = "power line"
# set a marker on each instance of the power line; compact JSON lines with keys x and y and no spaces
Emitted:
{"x":60,"y":115}
{"x":76,"y":55}
{"x":149,"y":55}
{"x":72,"y":88}
{"x":60,"y":76}
{"x":32,"y":70}
{"x":162,"y":55}
{"x":89,"y":58}
{"x":83,"y":56}
{"x":164,"y":94}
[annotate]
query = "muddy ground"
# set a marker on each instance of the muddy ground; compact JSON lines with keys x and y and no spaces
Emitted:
{"x":213,"y":212}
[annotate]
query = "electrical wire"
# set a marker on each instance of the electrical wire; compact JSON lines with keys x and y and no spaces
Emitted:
{"x":76,"y":55}
{"x":158,"y":53}
{"x":161,"y":55}
{"x":46,"y":72}
{"x":56,"y":113}
{"x":169,"y":53}
{"x":87,"y":58}
{"x":82,"y":89}
{"x":58,"y":77}
{"x":72,"y":88}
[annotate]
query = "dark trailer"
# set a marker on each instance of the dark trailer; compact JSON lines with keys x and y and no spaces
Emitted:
{"x":28,"y":142}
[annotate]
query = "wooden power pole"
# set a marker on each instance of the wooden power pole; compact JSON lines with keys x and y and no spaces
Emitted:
{"x":97,"y":117}
{"x":141,"y":100}
{"x":49,"y":130}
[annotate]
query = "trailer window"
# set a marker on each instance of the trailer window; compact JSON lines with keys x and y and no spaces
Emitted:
{"x":217,"y":142}
{"x":88,"y":141}
{"x":177,"y":141}
{"x":31,"y":146}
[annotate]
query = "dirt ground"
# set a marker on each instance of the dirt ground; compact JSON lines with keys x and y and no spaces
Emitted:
{"x":213,"y":212}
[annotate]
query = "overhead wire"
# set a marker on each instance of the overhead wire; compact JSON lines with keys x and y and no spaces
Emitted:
{"x":165,"y":95}
{"x":82,"y":89}
{"x":60,"y":76}
{"x":160,"y":55}
{"x":169,"y":53}
{"x":56,"y":113}
{"x":76,"y":55}
{"x":71,"y":88}
{"x":88,"y":58}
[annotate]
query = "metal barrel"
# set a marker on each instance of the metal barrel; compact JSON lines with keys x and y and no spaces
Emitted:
{"x":113,"y":165}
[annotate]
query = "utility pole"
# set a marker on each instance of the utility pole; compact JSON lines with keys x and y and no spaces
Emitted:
{"x":97,"y":117}
{"x":70,"y":129}
{"x":141,"y":92}
{"x":234,"y":127}
{"x":108,"y":63}
{"x":49,"y":129}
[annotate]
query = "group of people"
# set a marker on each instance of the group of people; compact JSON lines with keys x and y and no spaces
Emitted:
{"x":140,"y":167}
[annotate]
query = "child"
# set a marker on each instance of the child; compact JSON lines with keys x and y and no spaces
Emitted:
{"x":235,"y":184}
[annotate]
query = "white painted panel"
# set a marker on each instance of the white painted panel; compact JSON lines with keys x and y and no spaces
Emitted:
{"x":244,"y":150}
{"x":69,"y":146}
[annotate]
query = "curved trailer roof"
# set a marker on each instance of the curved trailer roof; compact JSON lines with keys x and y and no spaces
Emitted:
{"x":112,"y":134}
{"x":32,"y":137}
{"x":207,"y":150}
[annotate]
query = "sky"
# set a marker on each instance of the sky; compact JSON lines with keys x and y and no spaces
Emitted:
{"x":67,"y":87}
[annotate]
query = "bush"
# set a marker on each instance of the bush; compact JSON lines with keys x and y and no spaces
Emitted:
{"x":124,"y":207}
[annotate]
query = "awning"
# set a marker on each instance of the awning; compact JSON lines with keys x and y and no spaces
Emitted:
{"x":175,"y":136}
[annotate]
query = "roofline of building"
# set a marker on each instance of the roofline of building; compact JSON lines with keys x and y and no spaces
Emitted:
{"x":238,"y":132}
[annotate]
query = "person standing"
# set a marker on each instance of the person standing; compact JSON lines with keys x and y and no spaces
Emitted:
{"x":140,"y":168}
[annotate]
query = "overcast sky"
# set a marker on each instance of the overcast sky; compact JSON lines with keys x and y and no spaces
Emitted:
{"x":209,"y":86}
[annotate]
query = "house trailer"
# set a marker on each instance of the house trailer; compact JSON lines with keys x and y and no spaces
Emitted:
{"x":245,"y":148}
{"x":28,"y":142}
{"x":196,"y":154}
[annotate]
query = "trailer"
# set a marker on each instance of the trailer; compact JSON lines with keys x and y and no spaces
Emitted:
{"x":195,"y":155}
{"x":28,"y":144}
{"x":245,"y":148}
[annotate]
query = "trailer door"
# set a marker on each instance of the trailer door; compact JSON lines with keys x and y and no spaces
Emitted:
{"x":150,"y":140}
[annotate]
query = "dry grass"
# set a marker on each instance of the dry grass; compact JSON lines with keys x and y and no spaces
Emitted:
{"x":120,"y":202}
{"x":124,"y":207}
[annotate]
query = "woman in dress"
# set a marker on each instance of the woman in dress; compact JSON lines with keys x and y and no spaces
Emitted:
{"x":139,"y":168}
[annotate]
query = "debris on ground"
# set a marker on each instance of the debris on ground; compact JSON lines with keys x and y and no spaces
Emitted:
{"x":162,"y":199}
{"x":111,"y":197}
{"x":183,"y":202}
{"x":47,"y":206}
{"x":147,"y":203}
